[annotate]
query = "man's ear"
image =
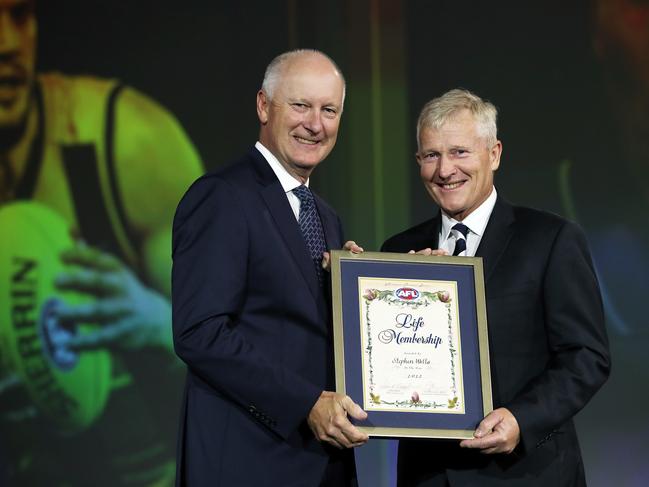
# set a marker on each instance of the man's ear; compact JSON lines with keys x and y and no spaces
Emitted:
{"x":262,"y":107}
{"x":495,"y":154}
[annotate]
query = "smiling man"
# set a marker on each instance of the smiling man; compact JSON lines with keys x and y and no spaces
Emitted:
{"x":548,"y":346}
{"x":251,"y":306}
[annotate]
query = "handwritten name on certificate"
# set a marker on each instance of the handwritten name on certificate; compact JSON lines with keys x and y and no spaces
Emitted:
{"x":411,"y":341}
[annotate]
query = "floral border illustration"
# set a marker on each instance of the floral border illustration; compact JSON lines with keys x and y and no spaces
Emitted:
{"x":426,"y":299}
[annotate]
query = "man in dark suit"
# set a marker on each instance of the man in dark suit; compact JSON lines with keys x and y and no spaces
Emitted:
{"x":250,"y":303}
{"x":548,"y":345}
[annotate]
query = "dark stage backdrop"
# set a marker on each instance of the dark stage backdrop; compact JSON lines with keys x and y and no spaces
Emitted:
{"x":109,"y":163}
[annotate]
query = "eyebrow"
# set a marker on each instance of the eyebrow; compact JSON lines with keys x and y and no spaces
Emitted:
{"x":332,"y":104}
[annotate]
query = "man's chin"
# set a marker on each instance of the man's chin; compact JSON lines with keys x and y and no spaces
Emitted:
{"x":452,"y":209}
{"x":309,"y":163}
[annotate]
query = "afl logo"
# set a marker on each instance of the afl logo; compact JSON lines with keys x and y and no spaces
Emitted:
{"x":406,"y":293}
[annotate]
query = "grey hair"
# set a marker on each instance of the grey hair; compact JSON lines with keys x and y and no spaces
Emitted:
{"x":440,"y":110}
{"x":275,"y":69}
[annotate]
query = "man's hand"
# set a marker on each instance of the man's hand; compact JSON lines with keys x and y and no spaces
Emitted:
{"x":353,"y":247}
{"x":349,"y":245}
{"x":498,"y":432}
{"x":429,"y":251}
{"x":131,"y":315}
{"x":328,"y":420}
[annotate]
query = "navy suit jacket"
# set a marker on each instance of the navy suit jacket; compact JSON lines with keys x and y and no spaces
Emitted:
{"x":548,"y":348}
{"x":252,"y":323}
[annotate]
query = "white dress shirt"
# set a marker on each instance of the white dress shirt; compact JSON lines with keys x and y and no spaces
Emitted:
{"x":476,"y":222}
{"x":288,"y":182}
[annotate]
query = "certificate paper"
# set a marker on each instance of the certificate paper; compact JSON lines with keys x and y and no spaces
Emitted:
{"x":411,"y":341}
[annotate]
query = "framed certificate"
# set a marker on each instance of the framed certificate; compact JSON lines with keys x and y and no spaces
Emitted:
{"x":410,"y":341}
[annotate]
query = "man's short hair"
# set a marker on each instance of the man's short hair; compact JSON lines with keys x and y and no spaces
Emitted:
{"x":275,"y":69}
{"x":440,"y":110}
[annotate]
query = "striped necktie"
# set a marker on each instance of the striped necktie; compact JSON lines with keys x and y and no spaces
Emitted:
{"x":460,"y":231}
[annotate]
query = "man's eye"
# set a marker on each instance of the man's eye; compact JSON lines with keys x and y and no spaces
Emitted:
{"x":430,"y":156}
{"x":21,"y":12}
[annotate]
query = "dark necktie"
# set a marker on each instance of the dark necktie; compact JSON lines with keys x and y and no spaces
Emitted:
{"x":311,"y":227}
{"x":460,"y":231}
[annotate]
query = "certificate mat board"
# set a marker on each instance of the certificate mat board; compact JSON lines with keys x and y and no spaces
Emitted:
{"x":411,"y":343}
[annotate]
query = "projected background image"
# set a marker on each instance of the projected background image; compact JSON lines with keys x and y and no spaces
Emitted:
{"x":108,"y":110}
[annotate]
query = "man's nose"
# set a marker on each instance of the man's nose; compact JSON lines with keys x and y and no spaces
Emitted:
{"x":313,"y":121}
{"x":445,"y":168}
{"x":9,"y":36}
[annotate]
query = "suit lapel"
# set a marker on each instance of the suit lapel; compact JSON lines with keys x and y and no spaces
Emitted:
{"x":280,"y":209}
{"x":333,"y":241}
{"x":496,"y":237}
{"x":436,"y":225}
{"x":329,"y":225}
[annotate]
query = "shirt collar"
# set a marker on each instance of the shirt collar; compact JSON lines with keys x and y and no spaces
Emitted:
{"x":288,"y":182}
{"x":476,"y":221}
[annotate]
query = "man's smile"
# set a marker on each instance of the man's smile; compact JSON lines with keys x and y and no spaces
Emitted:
{"x":450,"y":186}
{"x":302,"y":140}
